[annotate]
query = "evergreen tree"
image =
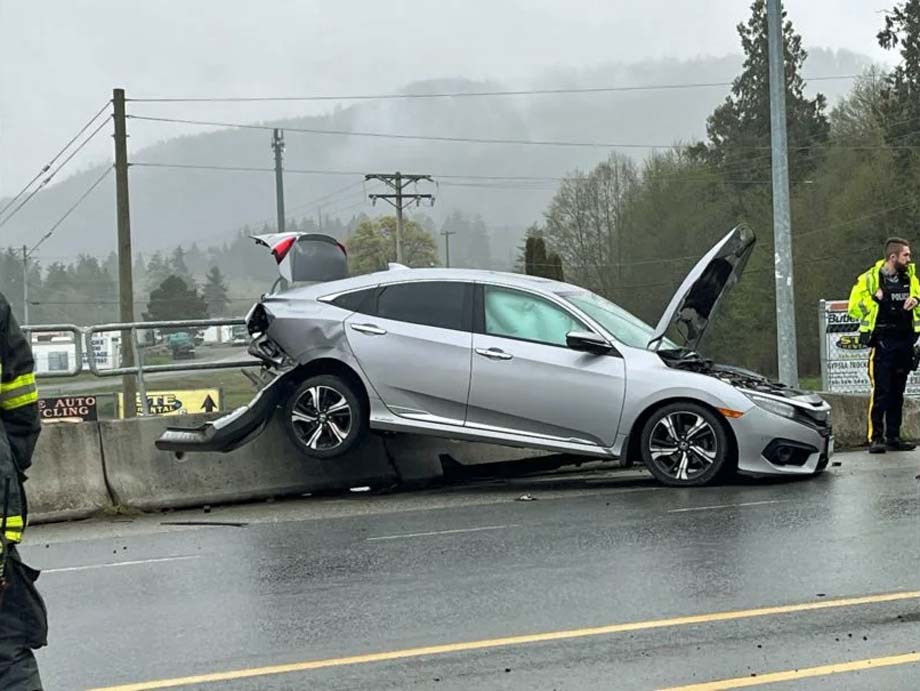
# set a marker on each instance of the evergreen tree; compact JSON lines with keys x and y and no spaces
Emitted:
{"x":175,"y":299}
{"x":179,"y":267}
{"x":157,"y":271}
{"x":739,"y":129}
{"x":215,"y":293}
{"x":901,"y":106}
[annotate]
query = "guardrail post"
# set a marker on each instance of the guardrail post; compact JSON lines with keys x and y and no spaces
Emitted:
{"x":822,"y":341}
{"x":141,"y":386}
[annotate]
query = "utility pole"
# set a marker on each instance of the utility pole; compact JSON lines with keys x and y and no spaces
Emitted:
{"x":399,"y":199}
{"x":278,"y":146}
{"x":125,"y":259}
{"x":782,"y":226}
{"x":25,"y":284}
{"x":447,"y":233}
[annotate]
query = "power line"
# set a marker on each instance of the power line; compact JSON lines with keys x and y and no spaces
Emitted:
{"x":466,"y":94}
{"x":70,"y":210}
{"x":415,"y":137}
{"x":485,"y":140}
{"x":48,"y":179}
{"x":50,"y":163}
{"x":254,"y":169}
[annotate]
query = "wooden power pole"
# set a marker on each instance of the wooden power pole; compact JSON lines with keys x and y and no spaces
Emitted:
{"x":399,"y":199}
{"x":125,"y":277}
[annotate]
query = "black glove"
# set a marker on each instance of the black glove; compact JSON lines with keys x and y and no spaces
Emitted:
{"x":865,"y":337}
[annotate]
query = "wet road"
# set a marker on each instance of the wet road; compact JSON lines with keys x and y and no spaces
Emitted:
{"x":605,"y":581}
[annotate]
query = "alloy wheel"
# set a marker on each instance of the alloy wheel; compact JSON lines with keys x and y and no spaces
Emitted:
{"x":683,"y":445}
{"x":322,"y":418}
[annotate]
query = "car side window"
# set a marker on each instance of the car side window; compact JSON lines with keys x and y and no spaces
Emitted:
{"x":442,"y":304}
{"x":515,"y":314}
{"x":357,"y":301}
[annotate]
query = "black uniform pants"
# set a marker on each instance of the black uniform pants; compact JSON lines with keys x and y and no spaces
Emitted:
{"x":23,"y":627}
{"x":889,"y":367}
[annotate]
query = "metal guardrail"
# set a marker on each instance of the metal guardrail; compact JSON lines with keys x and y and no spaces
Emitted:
{"x":83,"y":339}
{"x":78,"y":346}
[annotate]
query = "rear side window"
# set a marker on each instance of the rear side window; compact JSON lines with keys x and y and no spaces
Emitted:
{"x":357,"y":301}
{"x":317,"y":259}
{"x":446,"y":305}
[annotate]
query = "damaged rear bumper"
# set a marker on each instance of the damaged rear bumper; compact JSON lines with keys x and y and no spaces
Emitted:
{"x":228,"y":432}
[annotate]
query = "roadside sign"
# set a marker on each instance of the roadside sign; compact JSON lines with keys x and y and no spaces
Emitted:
{"x":844,"y":360}
{"x":68,"y":409}
{"x":178,"y":402}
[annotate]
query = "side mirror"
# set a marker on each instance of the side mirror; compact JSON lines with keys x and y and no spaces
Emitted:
{"x":588,"y":342}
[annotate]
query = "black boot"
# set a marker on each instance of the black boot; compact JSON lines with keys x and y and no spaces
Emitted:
{"x":899,"y":445}
{"x":877,"y":446}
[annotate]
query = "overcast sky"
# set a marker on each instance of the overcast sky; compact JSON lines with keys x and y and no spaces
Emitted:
{"x":60,"y":59}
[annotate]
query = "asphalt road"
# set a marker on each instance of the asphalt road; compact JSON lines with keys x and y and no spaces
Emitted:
{"x":604,"y":581}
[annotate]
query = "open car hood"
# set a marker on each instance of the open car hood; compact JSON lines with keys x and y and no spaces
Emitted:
{"x":695,"y":301}
{"x":306,"y":257}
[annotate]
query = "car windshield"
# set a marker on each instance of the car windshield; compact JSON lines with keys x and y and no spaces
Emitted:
{"x":625,"y":327}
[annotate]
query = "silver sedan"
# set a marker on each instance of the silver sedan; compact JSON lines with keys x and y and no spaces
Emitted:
{"x":517,"y":360}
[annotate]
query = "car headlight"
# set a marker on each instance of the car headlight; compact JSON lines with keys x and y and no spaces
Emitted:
{"x":772,"y":405}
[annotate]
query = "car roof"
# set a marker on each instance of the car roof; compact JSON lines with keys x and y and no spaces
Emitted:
{"x":403,"y":275}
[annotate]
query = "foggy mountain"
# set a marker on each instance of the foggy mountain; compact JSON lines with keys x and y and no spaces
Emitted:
{"x":170,"y":206}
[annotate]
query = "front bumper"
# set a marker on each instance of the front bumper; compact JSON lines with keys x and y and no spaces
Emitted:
{"x":763,"y":437}
{"x":228,"y":432}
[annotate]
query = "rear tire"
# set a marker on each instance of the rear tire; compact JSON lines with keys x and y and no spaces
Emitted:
{"x":685,"y":445}
{"x":325,"y":417}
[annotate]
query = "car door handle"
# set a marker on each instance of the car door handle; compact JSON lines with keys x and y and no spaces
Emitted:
{"x":494,"y":353}
{"x":369,"y":329}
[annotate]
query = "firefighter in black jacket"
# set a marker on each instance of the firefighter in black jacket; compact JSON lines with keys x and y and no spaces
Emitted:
{"x":23,"y":623}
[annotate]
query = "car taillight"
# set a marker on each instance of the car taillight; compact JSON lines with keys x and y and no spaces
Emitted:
{"x":282,"y":248}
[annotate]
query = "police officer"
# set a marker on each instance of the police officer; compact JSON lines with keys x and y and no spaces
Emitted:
{"x":23,"y":622}
{"x":885,"y":301}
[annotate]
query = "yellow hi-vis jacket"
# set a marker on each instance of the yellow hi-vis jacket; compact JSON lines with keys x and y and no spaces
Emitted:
{"x":863,"y":306}
{"x":19,"y":420}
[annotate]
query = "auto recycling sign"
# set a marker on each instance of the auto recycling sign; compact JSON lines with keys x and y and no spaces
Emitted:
{"x":844,"y":360}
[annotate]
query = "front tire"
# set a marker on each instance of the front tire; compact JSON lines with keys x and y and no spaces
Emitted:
{"x":325,"y":417}
{"x":684,"y":445}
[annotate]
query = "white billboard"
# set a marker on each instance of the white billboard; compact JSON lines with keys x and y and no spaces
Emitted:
{"x":844,"y":360}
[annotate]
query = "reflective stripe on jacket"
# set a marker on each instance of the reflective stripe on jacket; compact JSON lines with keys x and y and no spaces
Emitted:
{"x":19,"y":419}
{"x":863,"y":307}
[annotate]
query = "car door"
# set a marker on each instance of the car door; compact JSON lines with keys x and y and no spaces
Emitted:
{"x":526,"y":380}
{"x":414,"y":343}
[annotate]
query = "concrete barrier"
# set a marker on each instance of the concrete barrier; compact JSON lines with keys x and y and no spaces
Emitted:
{"x":80,"y":469}
{"x":849,"y":418}
{"x":67,"y":477}
{"x":140,"y":476}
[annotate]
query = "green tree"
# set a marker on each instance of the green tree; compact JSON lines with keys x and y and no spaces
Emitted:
{"x":178,"y":266}
{"x":588,"y":220}
{"x":901,"y":104}
{"x":537,"y":262}
{"x":372,"y":245}
{"x":215,"y":293}
{"x":158,"y":270}
{"x":739,"y":129}
{"x":175,"y":299}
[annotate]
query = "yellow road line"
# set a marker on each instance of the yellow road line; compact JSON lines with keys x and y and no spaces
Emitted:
{"x":513,"y":640}
{"x":793,"y":675}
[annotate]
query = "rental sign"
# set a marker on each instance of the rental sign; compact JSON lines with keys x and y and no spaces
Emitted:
{"x":178,"y":402}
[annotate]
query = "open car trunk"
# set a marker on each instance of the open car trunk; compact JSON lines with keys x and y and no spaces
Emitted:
{"x":301,"y":258}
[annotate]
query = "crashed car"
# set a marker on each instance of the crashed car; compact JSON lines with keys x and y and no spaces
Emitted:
{"x":515,"y":360}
